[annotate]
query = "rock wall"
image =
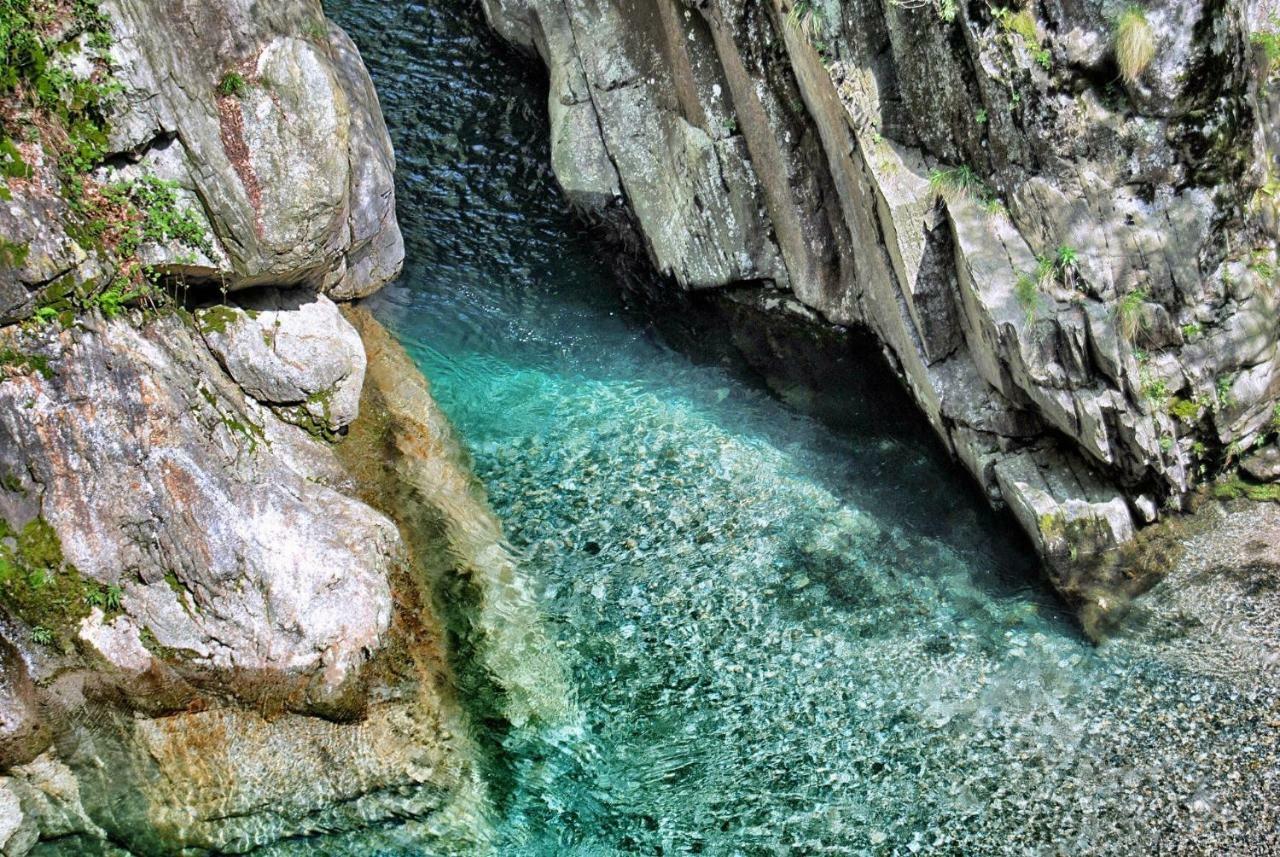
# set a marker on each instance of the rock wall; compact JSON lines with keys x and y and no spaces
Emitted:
{"x":1067,"y":253}
{"x":211,"y":639}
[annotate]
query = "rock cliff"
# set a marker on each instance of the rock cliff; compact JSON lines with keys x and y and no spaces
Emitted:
{"x":211,"y":638}
{"x":1058,"y":218}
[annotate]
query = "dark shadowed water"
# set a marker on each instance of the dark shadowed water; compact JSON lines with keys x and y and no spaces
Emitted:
{"x":784,"y":638}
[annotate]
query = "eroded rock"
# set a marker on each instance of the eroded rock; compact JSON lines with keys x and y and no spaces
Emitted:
{"x":290,"y":348}
{"x":138,"y":447}
{"x":293,"y":165}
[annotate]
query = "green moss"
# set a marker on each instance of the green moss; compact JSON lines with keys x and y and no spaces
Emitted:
{"x":24,"y":364}
{"x":179,"y":590}
{"x":216,"y":319}
{"x":250,"y":431}
{"x":40,"y":589}
{"x":1052,"y":527}
{"x":1022,"y":22}
{"x":38,"y":545}
{"x":1236,"y":488}
{"x":318,"y":427}
{"x":12,"y":254}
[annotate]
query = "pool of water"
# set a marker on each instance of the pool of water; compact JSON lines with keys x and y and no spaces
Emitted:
{"x":785,"y":637}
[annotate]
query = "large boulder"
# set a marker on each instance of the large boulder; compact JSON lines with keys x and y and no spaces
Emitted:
{"x":265,"y":114}
{"x":293,"y":349}
{"x":157,"y":476}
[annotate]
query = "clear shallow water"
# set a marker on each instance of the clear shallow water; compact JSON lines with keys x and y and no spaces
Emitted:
{"x":784,"y":638}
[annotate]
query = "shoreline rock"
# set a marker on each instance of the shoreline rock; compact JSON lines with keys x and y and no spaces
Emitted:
{"x":1068,"y":280}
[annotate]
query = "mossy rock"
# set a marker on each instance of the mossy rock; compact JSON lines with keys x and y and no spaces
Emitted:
{"x":1236,"y":488}
{"x":42,"y":590}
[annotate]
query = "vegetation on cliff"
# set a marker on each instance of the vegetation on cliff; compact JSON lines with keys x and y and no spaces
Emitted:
{"x":57,"y":91}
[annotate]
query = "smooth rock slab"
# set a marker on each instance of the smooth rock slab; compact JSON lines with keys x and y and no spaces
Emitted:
{"x":290,"y":348}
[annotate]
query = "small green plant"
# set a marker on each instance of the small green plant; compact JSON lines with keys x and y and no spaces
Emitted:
{"x":731,"y":126}
{"x":1135,"y":43}
{"x":1262,"y":263}
{"x":232,"y":85}
{"x":1043,"y":57}
{"x":962,"y":182}
{"x":120,"y":218}
{"x":41,"y":636}
{"x":945,"y":9}
{"x":1166,"y":442}
{"x":981,"y":116}
{"x":1191,"y":331}
{"x":1066,"y":264}
{"x":1157,"y":391}
{"x":1027,"y":291}
{"x":114,"y":597}
{"x":1223,"y":391}
{"x":1268,"y":40}
{"x":317,"y":31}
{"x":1129,"y":315}
{"x":806,"y":19}
{"x":1186,"y":410}
{"x":68,"y":109}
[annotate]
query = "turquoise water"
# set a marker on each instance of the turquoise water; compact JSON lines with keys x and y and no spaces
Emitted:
{"x":786,"y":636}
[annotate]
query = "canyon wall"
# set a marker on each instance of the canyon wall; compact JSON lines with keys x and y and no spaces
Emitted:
{"x":217,"y":632}
{"x":1059,"y":220}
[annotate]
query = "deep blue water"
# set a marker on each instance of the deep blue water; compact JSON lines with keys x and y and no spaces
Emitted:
{"x":784,"y":637}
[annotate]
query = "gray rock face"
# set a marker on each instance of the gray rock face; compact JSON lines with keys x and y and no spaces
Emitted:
{"x":290,"y":348}
{"x":1264,"y":465}
{"x":162,"y":479}
{"x":910,"y":174}
{"x":294,"y":168}
{"x":199,"y":649}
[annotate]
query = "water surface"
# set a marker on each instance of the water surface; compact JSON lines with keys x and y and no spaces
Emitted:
{"x":785,"y":637}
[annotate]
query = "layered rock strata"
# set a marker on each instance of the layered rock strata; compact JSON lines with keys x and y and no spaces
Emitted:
{"x":1064,"y":239}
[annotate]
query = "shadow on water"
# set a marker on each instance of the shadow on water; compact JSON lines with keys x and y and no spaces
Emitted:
{"x":497,"y":264}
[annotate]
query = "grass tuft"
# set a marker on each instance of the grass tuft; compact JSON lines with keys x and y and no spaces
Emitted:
{"x":1135,"y":43}
{"x":232,"y":85}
